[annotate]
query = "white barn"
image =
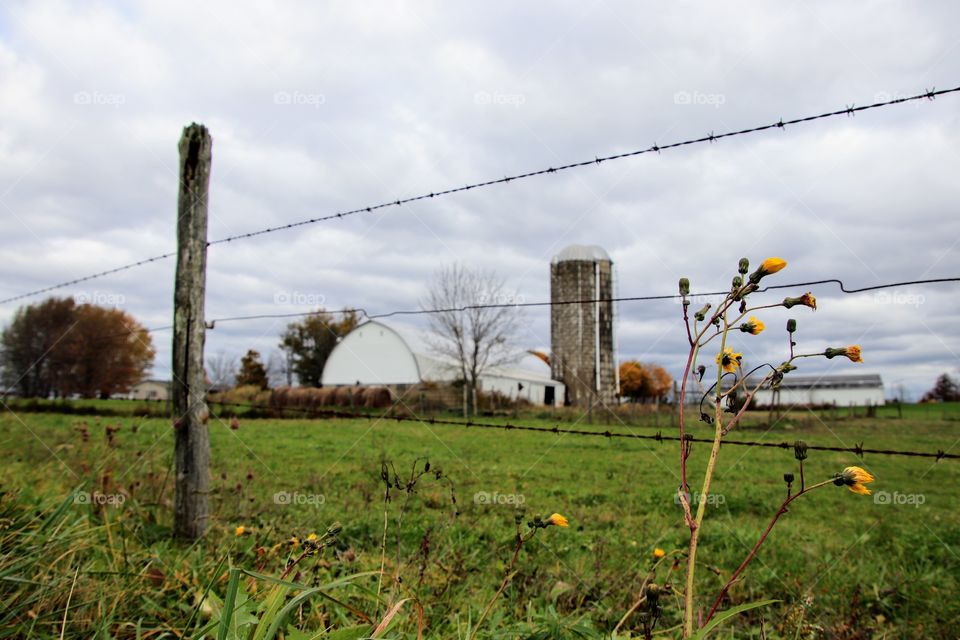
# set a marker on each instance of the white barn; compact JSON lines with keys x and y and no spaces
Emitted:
{"x":375,"y":354}
{"x":841,"y":390}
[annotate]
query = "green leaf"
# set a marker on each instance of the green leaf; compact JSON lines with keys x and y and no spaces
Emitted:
{"x":726,"y":615}
{"x":351,"y":633}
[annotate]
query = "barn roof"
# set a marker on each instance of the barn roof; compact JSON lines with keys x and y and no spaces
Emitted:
{"x":841,"y":381}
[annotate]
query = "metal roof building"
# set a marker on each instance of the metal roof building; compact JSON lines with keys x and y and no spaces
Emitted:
{"x":842,"y":390}
{"x":375,"y":354}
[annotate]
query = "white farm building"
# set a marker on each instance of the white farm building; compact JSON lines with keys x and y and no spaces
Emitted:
{"x":840,"y":390}
{"x":375,"y":354}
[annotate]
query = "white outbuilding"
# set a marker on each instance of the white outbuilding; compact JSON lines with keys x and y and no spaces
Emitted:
{"x":375,"y":354}
{"x":840,"y":390}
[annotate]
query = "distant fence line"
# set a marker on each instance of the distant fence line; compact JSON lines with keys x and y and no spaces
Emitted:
{"x":325,"y":413}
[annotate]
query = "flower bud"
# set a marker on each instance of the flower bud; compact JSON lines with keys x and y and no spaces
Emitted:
{"x":334,"y":529}
{"x":800,"y":450}
{"x":770,"y":265}
{"x":806,"y":300}
{"x":791,"y":325}
{"x":852,"y":352}
{"x":744,"y":266}
{"x":788,"y":478}
{"x":702,"y":313}
{"x":684,"y":287}
{"x":737,"y":282}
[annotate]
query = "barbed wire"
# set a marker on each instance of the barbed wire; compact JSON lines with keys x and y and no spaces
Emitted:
{"x":859,"y":449}
{"x":550,"y":303}
{"x":325,"y":413}
{"x":851,"y":110}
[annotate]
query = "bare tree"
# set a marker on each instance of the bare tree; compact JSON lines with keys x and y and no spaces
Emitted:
{"x":222,"y":370}
{"x":474,"y":336}
{"x":279,"y":372}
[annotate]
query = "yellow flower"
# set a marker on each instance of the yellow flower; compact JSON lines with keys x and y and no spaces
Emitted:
{"x":806,"y":300}
{"x":753,"y":326}
{"x":312,"y":537}
{"x":729,"y":359}
{"x":558,"y":520}
{"x":659,"y":553}
{"x":852,"y":352}
{"x":239,"y":531}
{"x":855,"y":478}
{"x":770,"y":265}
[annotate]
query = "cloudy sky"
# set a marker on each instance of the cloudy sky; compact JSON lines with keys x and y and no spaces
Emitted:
{"x":320,"y":107}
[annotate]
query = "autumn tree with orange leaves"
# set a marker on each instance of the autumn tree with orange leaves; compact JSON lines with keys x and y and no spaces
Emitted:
{"x":641,"y":382}
{"x":59,"y":348}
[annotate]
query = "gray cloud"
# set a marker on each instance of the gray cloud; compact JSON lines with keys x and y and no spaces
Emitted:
{"x":316,"y":109}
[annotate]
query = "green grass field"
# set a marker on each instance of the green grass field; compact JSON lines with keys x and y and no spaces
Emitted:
{"x":842,"y":565}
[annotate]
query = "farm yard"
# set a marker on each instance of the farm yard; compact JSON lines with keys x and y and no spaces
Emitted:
{"x":479,"y":321}
{"x":840,"y":565}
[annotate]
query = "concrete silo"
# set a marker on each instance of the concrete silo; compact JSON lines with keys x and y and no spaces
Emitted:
{"x":581,"y":334}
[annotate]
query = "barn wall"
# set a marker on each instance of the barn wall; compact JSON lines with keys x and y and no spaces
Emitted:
{"x":841,"y":397}
{"x":372,"y":354}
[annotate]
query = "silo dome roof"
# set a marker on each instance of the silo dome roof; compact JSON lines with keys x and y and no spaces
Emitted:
{"x":585,"y":252}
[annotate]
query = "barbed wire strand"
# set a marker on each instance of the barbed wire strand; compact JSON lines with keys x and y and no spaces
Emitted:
{"x":551,"y":303}
{"x":314,"y":413}
{"x":851,"y":110}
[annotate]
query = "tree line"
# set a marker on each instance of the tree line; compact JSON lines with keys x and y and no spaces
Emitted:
{"x":58,"y":348}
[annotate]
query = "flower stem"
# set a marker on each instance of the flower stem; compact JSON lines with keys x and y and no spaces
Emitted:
{"x":753,"y":552}
{"x":503,"y":585}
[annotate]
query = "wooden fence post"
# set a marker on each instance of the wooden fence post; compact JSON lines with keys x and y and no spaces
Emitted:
{"x":190,"y":415}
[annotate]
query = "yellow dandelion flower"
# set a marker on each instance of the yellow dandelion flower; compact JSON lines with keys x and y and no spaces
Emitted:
{"x":239,"y":531}
{"x":852,"y":352}
{"x":558,"y":520}
{"x":855,"y":479}
{"x":806,"y":300}
{"x":753,"y":326}
{"x":729,"y":359}
{"x":312,"y":537}
{"x":772,"y":265}
{"x":768,"y":266}
{"x":659,"y":553}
